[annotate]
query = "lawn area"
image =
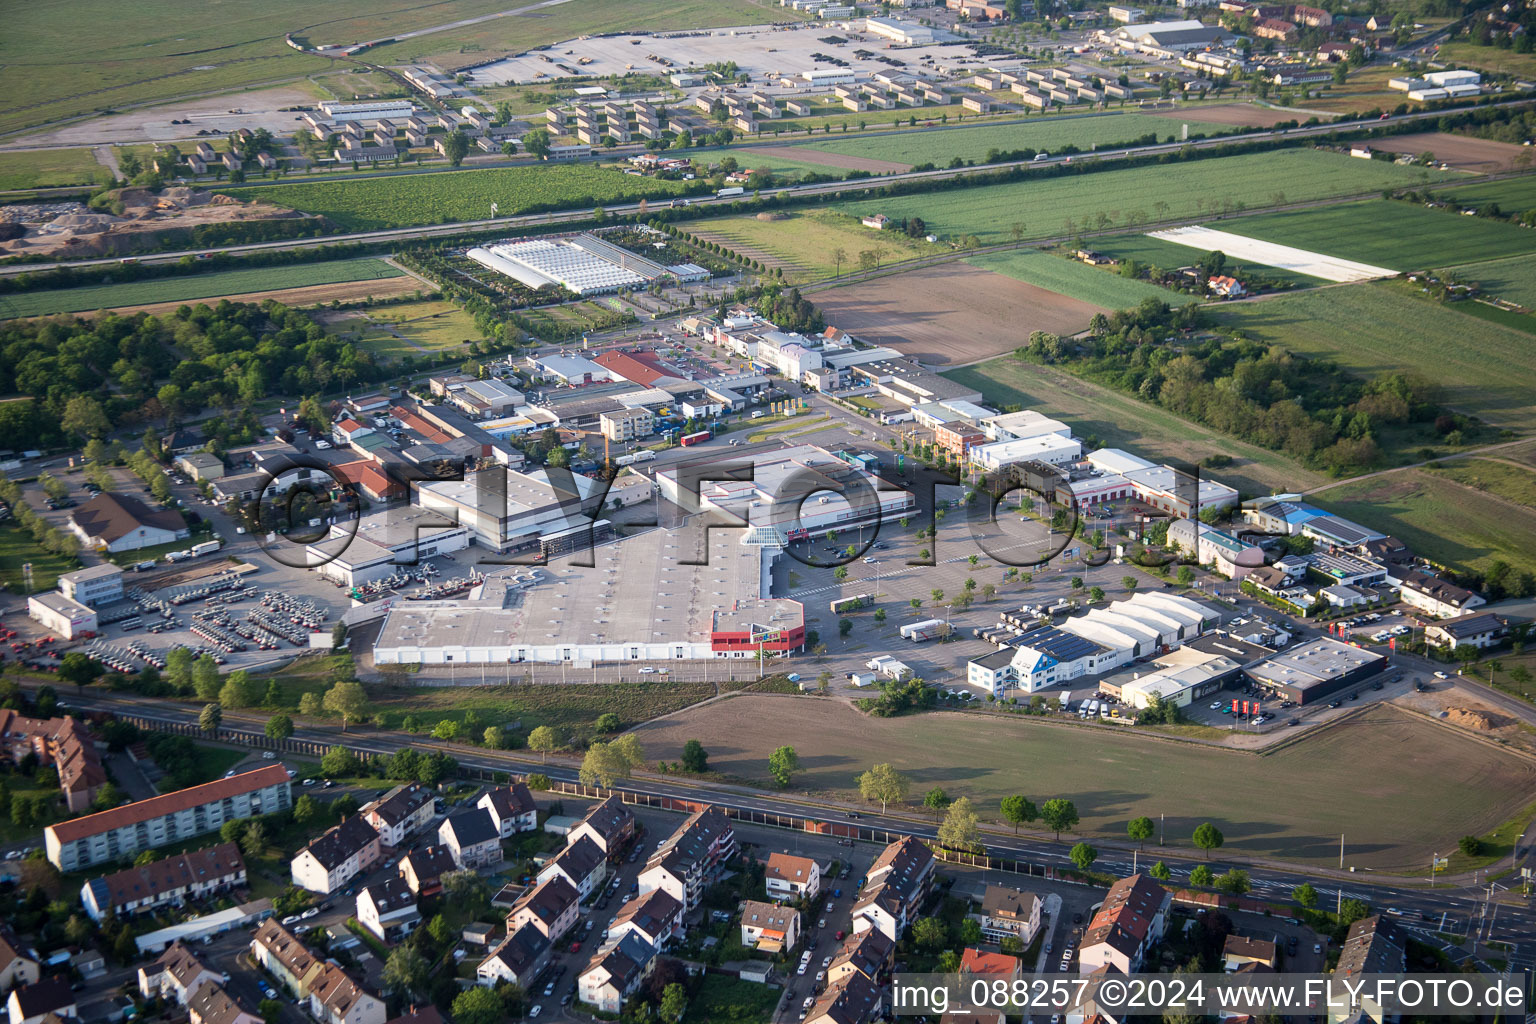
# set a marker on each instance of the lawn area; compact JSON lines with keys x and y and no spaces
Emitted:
{"x":1121,"y":421}
{"x":1158,"y":252}
{"x":18,"y":548}
{"x":1386,"y":233}
{"x":193,"y":287}
{"x":1512,"y":194}
{"x":1445,"y":520}
{"x":411,"y":199}
{"x":939,"y":146}
{"x":426,"y":326}
{"x":1513,"y":279}
{"x":725,"y":1000}
{"x":42,"y":168}
{"x":1046,"y":206}
{"x":1514,"y":482}
{"x":1488,"y":58}
{"x":808,"y":240}
{"x":1441,"y":785}
{"x":777,"y":159}
{"x":1381,"y":327}
{"x":1077,"y":280}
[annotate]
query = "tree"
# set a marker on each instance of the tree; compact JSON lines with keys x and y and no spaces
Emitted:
{"x":406,"y":971}
{"x":1160,"y":872}
{"x":1083,"y":856}
{"x":279,"y":727}
{"x":465,"y":887}
{"x":1128,"y":582}
{"x":606,"y":722}
{"x":1059,"y":815}
{"x":306,"y":810}
{"x":695,"y":757}
{"x":495,"y":737}
{"x":310,"y":704}
{"x":1201,"y":876}
{"x":205,"y":677}
{"x":1018,"y":810}
{"x":884,"y":783}
{"x":1095,"y":594}
{"x":961,"y":828}
{"x":936,"y":800}
{"x":1351,"y":911}
{"x":210,"y":717}
{"x":478,"y":1005}
{"x":536,"y":142}
{"x":1208,"y":837}
{"x":1140,"y":829}
{"x":839,"y":257}
{"x":1470,"y":845}
{"x":338,"y":762}
{"x":83,"y":417}
{"x":254,"y":842}
{"x":79,"y":668}
{"x":930,"y":932}
{"x":349,"y":700}
{"x":107,"y":797}
{"x":603,"y":765}
{"x":674,"y":1002}
{"x":1235,"y":882}
{"x":782,"y":765}
{"x":446,"y":729}
{"x":543,"y":740}
{"x":1305,"y":895}
{"x":237,"y":691}
{"x":456,"y":147}
{"x":629,"y":748}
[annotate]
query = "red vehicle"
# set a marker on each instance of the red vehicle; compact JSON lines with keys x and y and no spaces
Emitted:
{"x":700,"y":437}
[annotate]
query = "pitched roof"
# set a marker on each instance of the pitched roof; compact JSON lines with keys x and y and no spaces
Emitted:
{"x":429,"y":862}
{"x":520,"y":949}
{"x":868,"y":952}
{"x":976,"y":961}
{"x":336,"y":990}
{"x":11,"y":948}
{"x":510,"y":801}
{"x":44,"y":995}
{"x":757,"y":914}
{"x":653,"y":913}
{"x":624,"y":960}
{"x":285,"y":948}
{"x":390,"y":895}
{"x":1242,"y":945}
{"x":548,"y":900}
{"x":609,"y":818}
{"x":1125,"y":918}
{"x":170,"y":803}
{"x":692,"y":841}
{"x":213,"y":1005}
{"x":1437,"y":588}
{"x":850,"y":1001}
{"x":896,"y":876}
{"x":109,"y":517}
{"x":399,"y":803}
{"x":337,"y":845}
{"x":179,"y":871}
{"x":1373,"y":946}
{"x":1007,"y":902}
{"x":181,"y":963}
{"x":473,"y":827}
{"x":579,"y":859}
{"x":789,"y":868}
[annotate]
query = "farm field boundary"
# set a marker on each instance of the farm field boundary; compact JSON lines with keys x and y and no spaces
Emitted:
{"x":1313,"y":264}
{"x":1076,"y":280}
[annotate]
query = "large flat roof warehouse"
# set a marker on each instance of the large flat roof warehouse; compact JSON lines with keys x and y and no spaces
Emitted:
{"x":1316,"y":668}
{"x":642,"y":599}
{"x":538,"y":263}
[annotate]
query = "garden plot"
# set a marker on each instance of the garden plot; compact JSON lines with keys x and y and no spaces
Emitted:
{"x":1314,"y":264}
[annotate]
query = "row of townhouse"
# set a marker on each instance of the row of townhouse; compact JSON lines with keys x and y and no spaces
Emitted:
{"x":171,"y":881}
{"x":179,"y":976}
{"x":328,"y":992}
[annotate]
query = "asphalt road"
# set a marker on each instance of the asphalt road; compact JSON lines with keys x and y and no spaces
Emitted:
{"x":820,"y":188}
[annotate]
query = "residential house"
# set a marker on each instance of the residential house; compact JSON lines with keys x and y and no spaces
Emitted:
{"x":172,"y":880}
{"x":1437,"y":597}
{"x":979,"y":962}
{"x":1007,"y":912}
{"x":551,"y":907}
{"x":654,"y":916}
{"x":29,"y":1004}
{"x":388,"y":909}
{"x":770,"y":927}
{"x":868,"y":953}
{"x":120,"y":522}
{"x":788,"y":877}
{"x":511,"y":808}
{"x":581,"y":864}
{"x":608,"y":824}
{"x":424,"y":867}
{"x":615,"y":973}
{"x":283,"y":956}
{"x":399,"y":813}
{"x":210,"y":1004}
{"x":517,"y":960}
{"x":19,"y":965}
{"x":1374,"y":945}
{"x":1130,"y":921}
{"x":1225,"y":286}
{"x":1238,"y":950}
{"x":333,"y":859}
{"x":1479,"y":629}
{"x":895,"y":888}
{"x":687,"y":861}
{"x":854,"y":1000}
{"x":878,"y":221}
{"x":472,"y":837}
{"x":177,"y":974}
{"x":335,"y":998}
{"x":65,"y":743}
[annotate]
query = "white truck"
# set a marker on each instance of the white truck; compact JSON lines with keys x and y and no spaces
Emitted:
{"x":734,"y":190}
{"x":928,"y":629}
{"x":207,"y":547}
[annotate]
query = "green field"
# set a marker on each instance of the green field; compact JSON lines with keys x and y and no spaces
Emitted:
{"x":1157,"y":252}
{"x":1485,"y":369}
{"x":197,"y":286}
{"x":45,"y":168}
{"x":810,"y":240}
{"x":1448,"y":516}
{"x":1121,"y":421}
{"x":774,"y":159}
{"x":1442,"y":784}
{"x":1077,"y":280}
{"x":1047,"y":206}
{"x":1513,"y":278}
{"x":1512,"y":194}
{"x":1384,"y":233}
{"x":939,"y":146}
{"x":17,"y":548}
{"x":411,"y":199}
{"x":426,"y":327}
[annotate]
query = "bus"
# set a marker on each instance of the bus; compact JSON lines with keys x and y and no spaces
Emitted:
{"x":696,"y":438}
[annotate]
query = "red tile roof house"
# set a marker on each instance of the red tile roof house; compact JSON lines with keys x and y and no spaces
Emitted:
{"x":368,"y":477}
{"x":1130,"y":922}
{"x":790,"y":877}
{"x":990,"y":965}
{"x":194,"y":875}
{"x":64,"y":743}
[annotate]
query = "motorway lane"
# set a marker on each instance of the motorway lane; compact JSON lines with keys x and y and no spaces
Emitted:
{"x":1459,"y":902}
{"x":819,"y":188}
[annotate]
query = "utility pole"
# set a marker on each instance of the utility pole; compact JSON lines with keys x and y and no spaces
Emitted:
{"x":1339,"y":909}
{"x":1162,"y":829}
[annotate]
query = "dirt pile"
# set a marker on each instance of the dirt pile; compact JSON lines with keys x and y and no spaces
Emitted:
{"x":1477,"y":719}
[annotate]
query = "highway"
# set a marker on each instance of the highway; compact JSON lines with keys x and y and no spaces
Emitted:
{"x":1450,"y":907}
{"x":819,"y":188}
